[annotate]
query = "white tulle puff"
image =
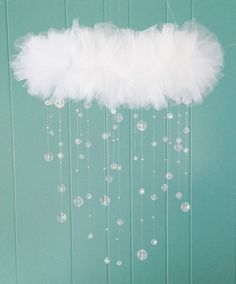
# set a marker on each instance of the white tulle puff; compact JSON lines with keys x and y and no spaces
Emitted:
{"x":121,"y":66}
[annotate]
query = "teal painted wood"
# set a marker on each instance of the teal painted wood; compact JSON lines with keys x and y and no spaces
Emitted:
{"x":195,"y":248}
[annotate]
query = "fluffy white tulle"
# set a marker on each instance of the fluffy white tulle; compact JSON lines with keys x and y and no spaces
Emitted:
{"x":121,"y":66}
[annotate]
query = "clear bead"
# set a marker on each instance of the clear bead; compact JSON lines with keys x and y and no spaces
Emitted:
{"x":47,"y":102}
{"x":108,"y":178}
{"x":141,"y":125}
{"x":88,"y":144}
{"x":80,"y":115}
{"x":114,"y":166}
{"x":51,"y":132}
{"x":61,"y":217}
{"x":178,"y":140}
{"x":170,"y":115}
{"x":113,"y":111}
{"x":185,"y":207}
{"x":78,"y":201}
{"x":165,"y":139}
{"x":164,"y":187}
{"x":60,"y":144}
{"x":154,"y":143}
{"x":106,"y":135}
{"x":90,"y":236}
{"x":60,"y":155}
{"x":78,"y":141}
{"x":169,"y":176}
{"x":88,"y":196}
{"x":135,"y":115}
{"x":48,"y":157}
{"x":118,"y":117}
{"x":154,"y":242}
{"x":115,"y":126}
{"x":142,"y":254}
{"x":105,"y":200}
{"x":179,"y":195}
{"x":81,"y":156}
{"x":186,"y":130}
{"x":87,"y":104}
{"x":141,"y":191}
{"x":120,"y":222}
{"x":59,"y":103}
{"x":178,"y":147}
{"x":119,"y":263}
{"x":154,"y":197}
{"x":119,"y":167}
{"x":135,"y":158}
{"x":186,"y":150}
{"x":61,"y":188}
{"x":107,"y":260}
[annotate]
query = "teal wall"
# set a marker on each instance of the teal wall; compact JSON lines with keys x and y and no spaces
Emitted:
{"x":197,"y":248}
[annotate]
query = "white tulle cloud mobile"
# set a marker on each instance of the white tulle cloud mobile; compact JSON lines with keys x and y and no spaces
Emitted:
{"x":121,"y":66}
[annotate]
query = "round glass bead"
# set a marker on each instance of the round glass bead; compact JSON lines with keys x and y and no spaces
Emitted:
{"x":106,"y":135}
{"x":88,"y":196}
{"x":186,"y":130}
{"x":61,"y":217}
{"x":165,"y":139}
{"x":115,"y":126}
{"x":186,"y":150}
{"x":60,"y":144}
{"x":61,"y":188}
{"x":108,"y":178}
{"x":170,"y":115}
{"x":179,"y":195}
{"x":51,"y":132}
{"x":81,"y":156}
{"x":107,"y":260}
{"x":185,"y":207}
{"x":80,"y":115}
{"x":114,"y":166}
{"x":154,"y":242}
{"x":48,"y":157}
{"x":135,"y":115}
{"x":88,"y":144}
{"x":47,"y":102}
{"x":119,"y":167}
{"x":119,"y":263}
{"x":105,"y":200}
{"x":118,"y":117}
{"x":59,"y":103}
{"x":87,"y":104}
{"x":153,"y":197}
{"x":141,"y":125}
{"x":178,"y":147}
{"x":135,"y":158}
{"x":120,"y":222}
{"x":113,"y":111}
{"x":169,"y":176}
{"x":141,"y":191}
{"x":77,"y":141}
{"x":60,"y":155}
{"x":90,"y":236}
{"x":154,"y":143}
{"x":142,"y":254}
{"x":178,"y":140}
{"x":164,"y":187}
{"x":78,"y":201}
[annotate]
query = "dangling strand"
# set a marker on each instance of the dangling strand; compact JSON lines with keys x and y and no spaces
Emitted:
{"x":78,"y":200}
{"x":153,"y":196}
{"x":141,"y":126}
{"x":48,"y":156}
{"x":61,"y":217}
{"x":88,"y":145}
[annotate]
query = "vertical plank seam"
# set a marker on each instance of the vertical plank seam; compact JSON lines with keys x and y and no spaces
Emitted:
{"x":12,"y":141}
{"x":131,"y":173}
{"x":70,"y":166}
{"x":190,"y":179}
